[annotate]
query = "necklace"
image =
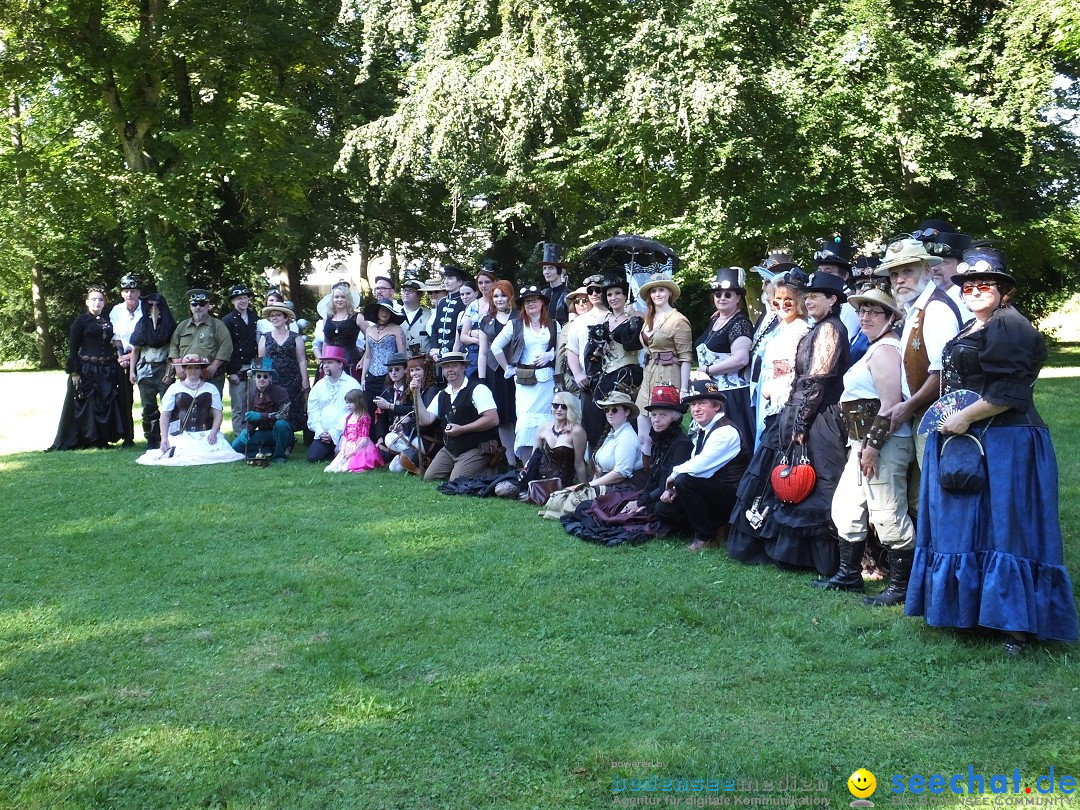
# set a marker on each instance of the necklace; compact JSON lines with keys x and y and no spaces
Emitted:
{"x":558,"y":433}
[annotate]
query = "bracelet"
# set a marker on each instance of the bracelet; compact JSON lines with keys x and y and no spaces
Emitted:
{"x":878,"y":433}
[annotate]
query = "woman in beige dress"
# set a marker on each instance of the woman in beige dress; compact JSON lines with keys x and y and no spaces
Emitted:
{"x":669,"y":344}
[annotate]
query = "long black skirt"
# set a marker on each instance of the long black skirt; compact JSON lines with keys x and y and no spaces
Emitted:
{"x":93,"y":413}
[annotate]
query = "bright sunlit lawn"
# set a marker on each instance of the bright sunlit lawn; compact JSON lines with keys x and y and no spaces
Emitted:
{"x":280,"y":638}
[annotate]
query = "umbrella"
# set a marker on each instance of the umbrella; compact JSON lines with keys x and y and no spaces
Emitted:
{"x":618,"y":251}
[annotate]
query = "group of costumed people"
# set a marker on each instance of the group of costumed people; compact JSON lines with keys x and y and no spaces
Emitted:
{"x":882,"y":402}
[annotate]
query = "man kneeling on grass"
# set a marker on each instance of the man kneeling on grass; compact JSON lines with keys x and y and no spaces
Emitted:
{"x":700,"y":492}
{"x":472,"y":423}
{"x":265,"y":416}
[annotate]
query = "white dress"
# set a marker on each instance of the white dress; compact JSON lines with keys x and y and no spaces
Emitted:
{"x":190,"y":448}
{"x":533,"y":402}
{"x":778,"y":369}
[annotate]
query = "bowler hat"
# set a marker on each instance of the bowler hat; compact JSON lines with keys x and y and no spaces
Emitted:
{"x":827,"y":284}
{"x":704,"y":389}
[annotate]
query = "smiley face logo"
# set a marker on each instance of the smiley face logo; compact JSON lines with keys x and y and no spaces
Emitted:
{"x":861,"y":783}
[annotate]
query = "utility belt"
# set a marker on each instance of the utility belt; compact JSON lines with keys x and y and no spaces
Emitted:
{"x":859,"y":416}
{"x":661,"y":359}
{"x":86,"y":358}
{"x":525,"y":373}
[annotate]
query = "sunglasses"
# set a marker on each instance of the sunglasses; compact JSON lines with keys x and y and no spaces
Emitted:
{"x":613,"y":408}
{"x":200,"y":304}
{"x":872,"y":311}
{"x":724,"y":294}
{"x":982,"y":286}
{"x":261,"y":376}
{"x":558,"y":406}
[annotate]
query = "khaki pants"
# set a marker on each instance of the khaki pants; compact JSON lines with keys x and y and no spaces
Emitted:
{"x":883,"y":501}
{"x":448,"y":467}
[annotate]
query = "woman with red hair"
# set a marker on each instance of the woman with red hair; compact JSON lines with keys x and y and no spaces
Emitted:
{"x":500,"y":312}
{"x":525,"y":349}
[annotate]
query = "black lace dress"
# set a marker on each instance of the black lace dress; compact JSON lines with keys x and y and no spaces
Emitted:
{"x":799,"y":535}
{"x":287,"y":367}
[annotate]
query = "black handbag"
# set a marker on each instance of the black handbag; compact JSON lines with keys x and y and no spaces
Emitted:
{"x":962,"y":464}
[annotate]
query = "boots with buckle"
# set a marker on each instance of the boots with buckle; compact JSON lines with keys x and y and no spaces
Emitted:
{"x":849,"y":576}
{"x":899,"y":573}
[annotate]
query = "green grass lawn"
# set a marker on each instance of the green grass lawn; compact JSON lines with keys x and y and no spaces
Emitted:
{"x":281,"y":638}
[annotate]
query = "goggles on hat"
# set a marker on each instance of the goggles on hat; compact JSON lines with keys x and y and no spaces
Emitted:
{"x":981,"y":266}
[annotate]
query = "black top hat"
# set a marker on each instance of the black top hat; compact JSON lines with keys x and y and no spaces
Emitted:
{"x":827,"y":284}
{"x":982,"y":262}
{"x":833,"y":251}
{"x":944,"y":243}
{"x":238,"y":290}
{"x":532,"y":291}
{"x":704,"y":389}
{"x":552,"y":254}
{"x":930,"y":228}
{"x":730,"y":278}
{"x":130,"y":281}
{"x":457,"y":272}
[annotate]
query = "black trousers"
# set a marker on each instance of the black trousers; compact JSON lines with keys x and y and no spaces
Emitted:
{"x":702,"y":506}
{"x":321,"y":451}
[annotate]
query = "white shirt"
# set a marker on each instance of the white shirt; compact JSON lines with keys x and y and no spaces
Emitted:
{"x":720,"y":448}
{"x":327,"y":408}
{"x":939,"y":327}
{"x":578,"y":334}
{"x":850,"y":318}
{"x":482,"y":398}
{"x":123,"y":323}
{"x":620,"y":451}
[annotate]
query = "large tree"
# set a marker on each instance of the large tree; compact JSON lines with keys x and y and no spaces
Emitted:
{"x":729,"y":127}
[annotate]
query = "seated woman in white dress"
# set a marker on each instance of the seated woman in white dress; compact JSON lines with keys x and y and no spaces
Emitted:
{"x":192,"y":408}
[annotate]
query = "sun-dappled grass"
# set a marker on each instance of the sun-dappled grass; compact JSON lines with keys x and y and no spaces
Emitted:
{"x":234,"y":637}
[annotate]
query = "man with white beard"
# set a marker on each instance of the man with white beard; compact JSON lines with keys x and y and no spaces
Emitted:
{"x":931,"y":320}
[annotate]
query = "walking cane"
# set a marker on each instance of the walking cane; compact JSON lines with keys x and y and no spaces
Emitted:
{"x":419,"y":436}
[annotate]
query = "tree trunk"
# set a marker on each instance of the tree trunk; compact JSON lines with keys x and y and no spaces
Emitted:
{"x":292,"y":273}
{"x":46,"y":350}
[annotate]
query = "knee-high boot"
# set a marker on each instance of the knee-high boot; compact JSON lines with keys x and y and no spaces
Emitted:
{"x":899,"y":573}
{"x":849,"y":576}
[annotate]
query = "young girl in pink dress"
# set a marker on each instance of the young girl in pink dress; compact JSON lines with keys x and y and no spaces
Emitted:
{"x":358,"y":452}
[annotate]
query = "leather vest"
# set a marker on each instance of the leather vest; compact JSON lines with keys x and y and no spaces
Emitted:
{"x":916,"y":358}
{"x":463,"y":412}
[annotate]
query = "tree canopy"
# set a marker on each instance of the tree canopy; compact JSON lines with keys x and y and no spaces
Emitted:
{"x":200,"y":143}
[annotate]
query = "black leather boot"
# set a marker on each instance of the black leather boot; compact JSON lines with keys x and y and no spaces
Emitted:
{"x":849,"y":576}
{"x":899,"y":573}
